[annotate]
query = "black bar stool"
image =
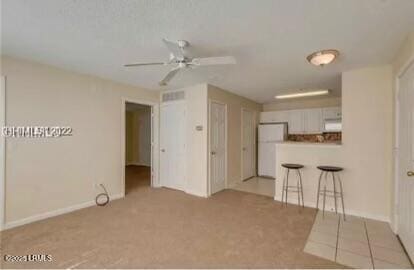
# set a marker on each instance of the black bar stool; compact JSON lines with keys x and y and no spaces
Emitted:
{"x":325,"y":170}
{"x":298,"y":188}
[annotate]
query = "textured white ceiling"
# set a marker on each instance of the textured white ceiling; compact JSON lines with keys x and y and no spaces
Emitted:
{"x":269,"y":38}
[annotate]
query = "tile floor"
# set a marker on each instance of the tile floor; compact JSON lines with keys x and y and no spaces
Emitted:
{"x":257,"y":185}
{"x":356,"y":242}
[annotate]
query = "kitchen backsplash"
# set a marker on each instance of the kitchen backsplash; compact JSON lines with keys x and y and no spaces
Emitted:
{"x":325,"y":137}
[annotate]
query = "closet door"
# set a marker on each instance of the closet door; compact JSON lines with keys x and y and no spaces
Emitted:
{"x":248,"y":144}
{"x":173,"y":145}
{"x":406,"y":160}
{"x":217,"y":147}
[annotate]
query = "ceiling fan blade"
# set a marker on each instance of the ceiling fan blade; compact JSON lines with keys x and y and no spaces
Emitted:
{"x":209,"y":61}
{"x":169,"y":76}
{"x":174,"y":49}
{"x":145,"y":64}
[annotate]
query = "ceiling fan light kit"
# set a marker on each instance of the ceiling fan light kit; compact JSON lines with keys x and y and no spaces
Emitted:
{"x":179,"y":60}
{"x":322,"y":58}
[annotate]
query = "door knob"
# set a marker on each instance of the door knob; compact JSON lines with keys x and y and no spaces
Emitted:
{"x":410,"y":173}
{"x":244,"y":148}
{"x":163,"y":150}
{"x":213,"y":153}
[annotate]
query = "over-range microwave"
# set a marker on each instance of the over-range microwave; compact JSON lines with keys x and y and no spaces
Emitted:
{"x":333,"y":125}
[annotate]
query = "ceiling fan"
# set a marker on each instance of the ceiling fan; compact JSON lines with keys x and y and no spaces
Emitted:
{"x":179,"y":60}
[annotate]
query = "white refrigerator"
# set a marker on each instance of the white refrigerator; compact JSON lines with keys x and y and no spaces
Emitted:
{"x":269,"y":135}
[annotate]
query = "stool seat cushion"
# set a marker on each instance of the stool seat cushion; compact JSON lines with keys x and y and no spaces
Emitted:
{"x":292,"y":166}
{"x":330,"y":168}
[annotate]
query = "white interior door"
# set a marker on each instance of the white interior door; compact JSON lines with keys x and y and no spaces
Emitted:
{"x":173,"y":145}
{"x":2,"y":150}
{"x":154,"y":146}
{"x":248,"y":144}
{"x":217,"y":147}
{"x":406,"y":160}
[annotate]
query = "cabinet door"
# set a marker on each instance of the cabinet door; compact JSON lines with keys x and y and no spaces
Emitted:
{"x":296,"y":122}
{"x":274,"y":117}
{"x":281,"y":116}
{"x":332,"y":113}
{"x":266,"y":117}
{"x":313,"y":121}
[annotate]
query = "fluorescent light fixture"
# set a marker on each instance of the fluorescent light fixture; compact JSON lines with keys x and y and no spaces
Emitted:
{"x":323,"y":57}
{"x":303,"y":94}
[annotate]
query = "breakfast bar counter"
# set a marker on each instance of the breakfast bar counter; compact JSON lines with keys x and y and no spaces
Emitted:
{"x":310,"y":155}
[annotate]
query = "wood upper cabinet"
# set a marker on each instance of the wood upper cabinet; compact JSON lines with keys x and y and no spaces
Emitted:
{"x":307,"y":121}
{"x":266,"y":117}
{"x":313,"y":121}
{"x":274,"y":117}
{"x":332,"y":113}
{"x":296,"y":122}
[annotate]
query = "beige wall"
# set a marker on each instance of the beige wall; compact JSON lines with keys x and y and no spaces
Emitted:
{"x":62,"y":170}
{"x":403,"y":57}
{"x":367,"y":118}
{"x":404,"y":54}
{"x":196,"y":112}
{"x":306,"y":103}
{"x":234,"y":106}
{"x":367,"y":145}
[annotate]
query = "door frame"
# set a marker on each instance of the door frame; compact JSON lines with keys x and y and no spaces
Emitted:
{"x":154,"y":139}
{"x":254,"y":161}
{"x":2,"y":153}
{"x":210,"y":101}
{"x":401,"y":71}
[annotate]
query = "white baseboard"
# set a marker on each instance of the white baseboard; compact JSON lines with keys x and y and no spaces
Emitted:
{"x":232,"y":184}
{"x":196,"y":193}
{"x":328,"y":207}
{"x":54,"y":213}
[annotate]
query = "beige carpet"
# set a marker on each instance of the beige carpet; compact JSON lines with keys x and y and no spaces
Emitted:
{"x":162,"y":228}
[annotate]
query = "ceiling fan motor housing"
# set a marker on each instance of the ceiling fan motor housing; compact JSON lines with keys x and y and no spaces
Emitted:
{"x":183,"y":43}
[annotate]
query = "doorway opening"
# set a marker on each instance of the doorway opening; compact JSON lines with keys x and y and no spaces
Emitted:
{"x":138,"y":146}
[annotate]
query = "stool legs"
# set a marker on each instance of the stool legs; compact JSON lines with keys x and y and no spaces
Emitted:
{"x":334,"y":187}
{"x":319,"y":190}
{"x":335,"y":193}
{"x":299,"y":189}
{"x":283,"y":189}
{"x":284,"y":186}
{"x":342,"y":196}
{"x":324,"y":193}
{"x":287,"y":186}
{"x":324,"y":198}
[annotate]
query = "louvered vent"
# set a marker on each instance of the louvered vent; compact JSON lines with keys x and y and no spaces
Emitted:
{"x":172,"y":96}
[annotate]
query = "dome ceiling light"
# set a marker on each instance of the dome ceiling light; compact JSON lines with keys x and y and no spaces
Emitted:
{"x":322,"y":58}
